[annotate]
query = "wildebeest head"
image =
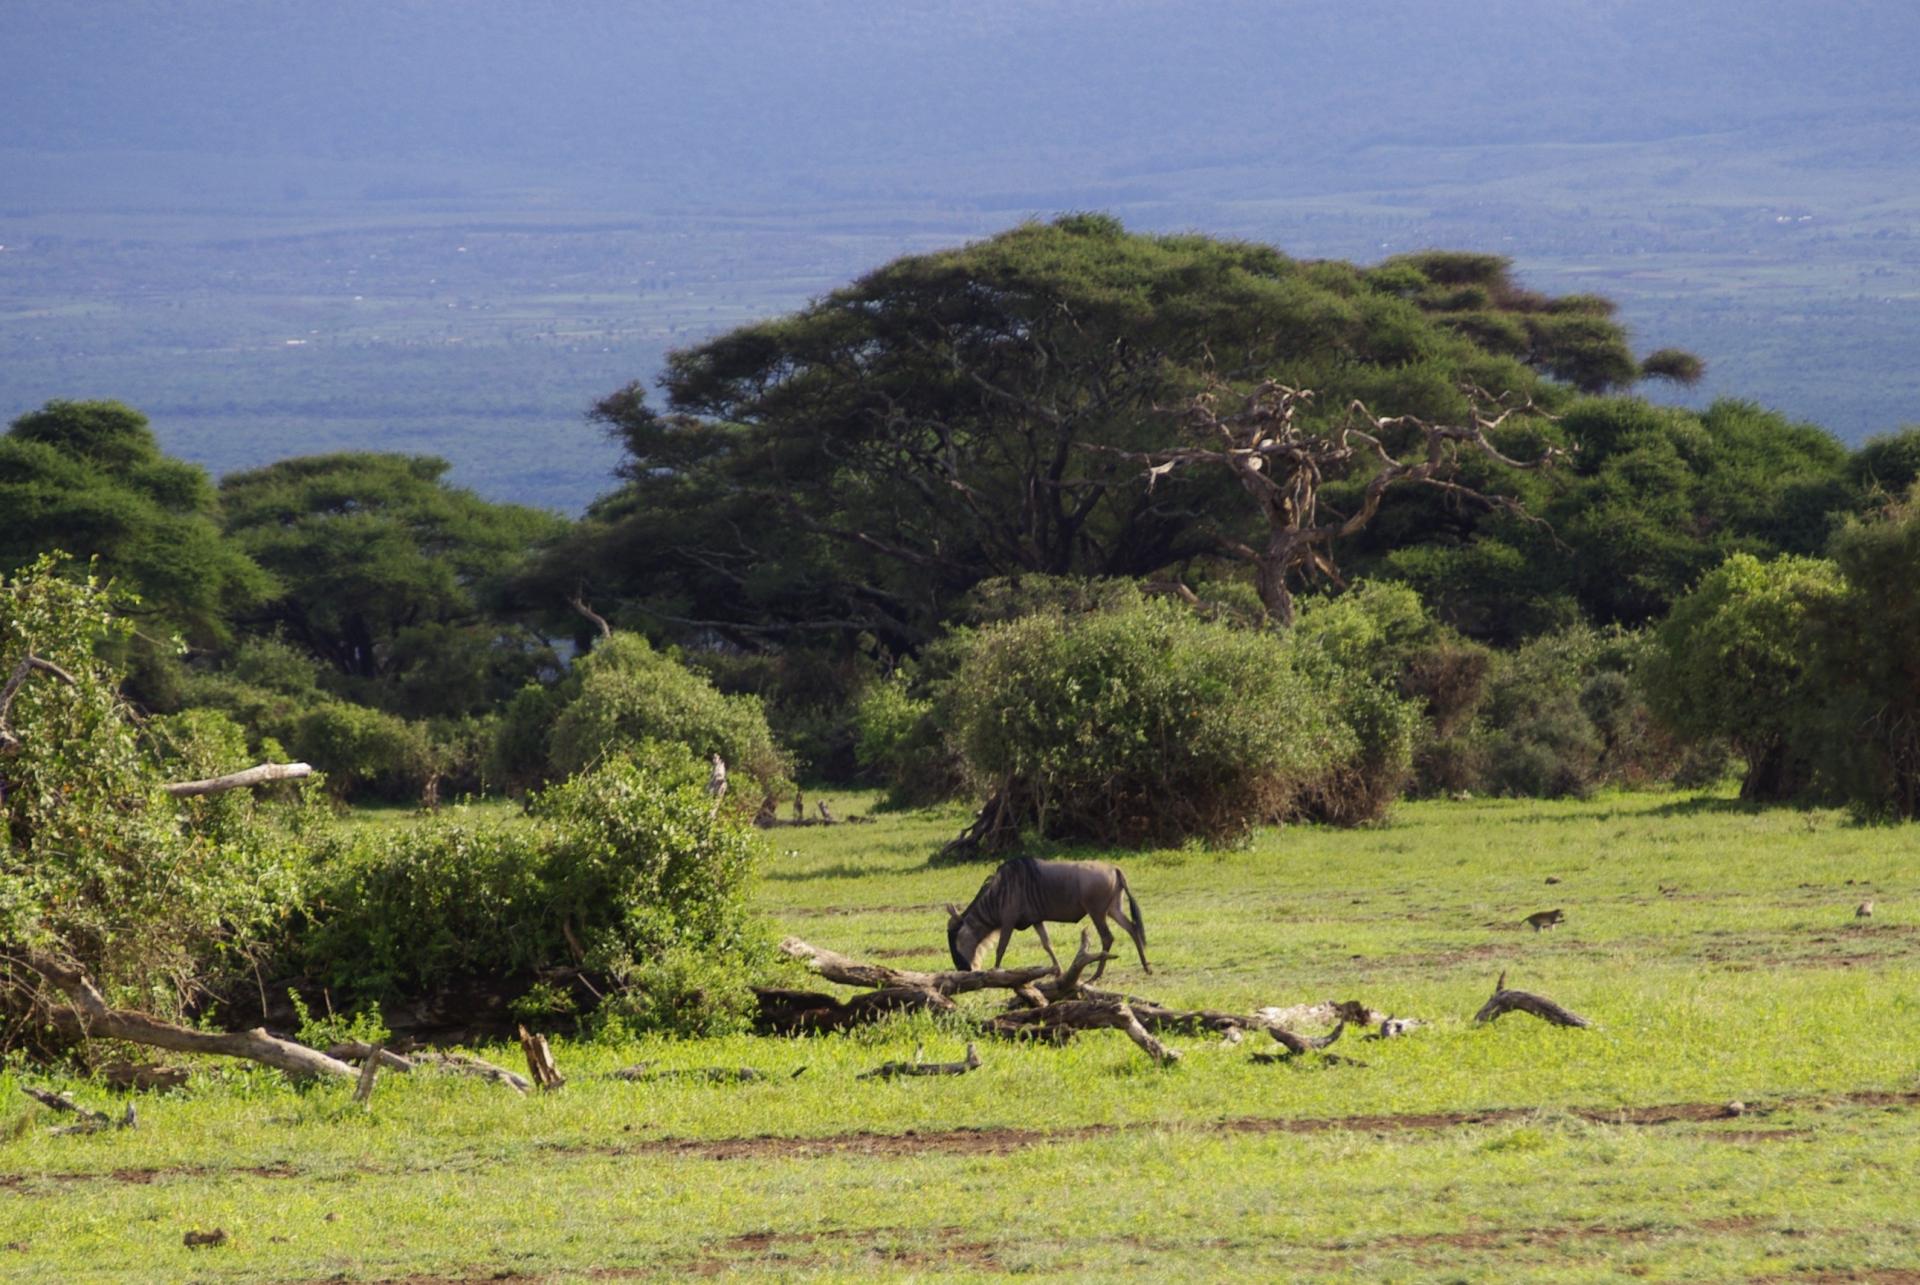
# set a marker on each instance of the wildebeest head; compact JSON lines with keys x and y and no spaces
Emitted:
{"x":963,"y":952}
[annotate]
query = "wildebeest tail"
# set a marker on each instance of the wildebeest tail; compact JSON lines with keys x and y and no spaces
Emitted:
{"x":1133,"y":908}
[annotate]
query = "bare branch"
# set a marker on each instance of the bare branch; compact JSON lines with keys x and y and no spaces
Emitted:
{"x":259,"y":775}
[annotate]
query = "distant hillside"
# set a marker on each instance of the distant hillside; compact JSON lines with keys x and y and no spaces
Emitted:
{"x":249,"y":219}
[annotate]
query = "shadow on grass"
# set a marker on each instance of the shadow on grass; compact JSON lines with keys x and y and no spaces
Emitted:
{"x":839,"y":870}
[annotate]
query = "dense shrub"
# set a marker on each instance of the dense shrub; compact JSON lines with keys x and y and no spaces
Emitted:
{"x":357,"y":746}
{"x":1142,"y":723}
{"x":630,"y":694}
{"x":903,"y":741}
{"x":626,"y":873}
{"x":159,"y":900}
{"x":1732,"y":660}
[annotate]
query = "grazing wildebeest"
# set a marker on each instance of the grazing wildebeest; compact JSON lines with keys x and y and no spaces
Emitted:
{"x":1027,"y":893}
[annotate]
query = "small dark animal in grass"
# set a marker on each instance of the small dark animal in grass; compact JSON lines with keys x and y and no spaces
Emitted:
{"x":1864,"y":910}
{"x":1029,"y":893}
{"x":202,"y":1239}
{"x":1540,"y":919}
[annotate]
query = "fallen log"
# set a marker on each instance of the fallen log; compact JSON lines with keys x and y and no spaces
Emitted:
{"x":467,"y":1064}
{"x":1512,"y":1001}
{"x":356,"y":1051}
{"x":90,"y":1016}
{"x":836,"y":967}
{"x":259,"y":775}
{"x":643,"y":1072}
{"x":889,"y":1070}
{"x":1084,"y":1015}
{"x":789,"y":1012}
{"x":91,"y":1121}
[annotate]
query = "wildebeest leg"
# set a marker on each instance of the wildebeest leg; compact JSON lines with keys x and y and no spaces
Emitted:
{"x":1041,"y":930}
{"x":1106,"y":943}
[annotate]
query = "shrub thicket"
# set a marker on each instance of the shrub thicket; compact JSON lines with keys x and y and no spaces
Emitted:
{"x":1142,"y":723}
{"x":627,"y":873}
{"x":158,"y":900}
{"x":625,"y":695}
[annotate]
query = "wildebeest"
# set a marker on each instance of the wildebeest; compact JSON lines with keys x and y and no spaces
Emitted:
{"x":1028,"y":893}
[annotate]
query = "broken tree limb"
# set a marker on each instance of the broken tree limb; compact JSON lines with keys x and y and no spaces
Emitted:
{"x":791,"y":1012}
{"x":90,"y":1016}
{"x":540,"y":1061}
{"x":369,"y":1071}
{"x":356,"y":1051}
{"x":1084,"y":1015}
{"x":28,"y":664}
{"x":259,"y":775}
{"x":63,"y":1102}
{"x":889,"y":1070}
{"x":1298,"y":1044}
{"x":467,"y":1064}
{"x":836,"y":967}
{"x":1512,"y":1001}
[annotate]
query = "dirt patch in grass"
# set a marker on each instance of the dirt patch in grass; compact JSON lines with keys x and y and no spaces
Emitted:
{"x":1000,"y":1141}
{"x":945,"y":1248}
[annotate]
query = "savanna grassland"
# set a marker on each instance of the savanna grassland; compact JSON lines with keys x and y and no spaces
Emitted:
{"x":1715,"y":946}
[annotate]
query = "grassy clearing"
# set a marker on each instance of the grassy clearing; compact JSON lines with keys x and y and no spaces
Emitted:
{"x":1716,"y":946}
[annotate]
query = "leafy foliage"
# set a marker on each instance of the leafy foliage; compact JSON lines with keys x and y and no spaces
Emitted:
{"x":1733,"y":660}
{"x":627,"y":872}
{"x":390,"y":576}
{"x":89,"y":479}
{"x":158,"y":900}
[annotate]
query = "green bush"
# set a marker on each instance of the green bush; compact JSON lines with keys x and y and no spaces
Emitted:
{"x":629,"y":694}
{"x":160,"y":900}
{"x":360,"y":748}
{"x":1141,"y":723}
{"x":626,"y":873}
{"x":903,"y":742}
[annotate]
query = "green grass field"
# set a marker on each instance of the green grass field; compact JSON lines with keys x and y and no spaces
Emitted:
{"x":1716,"y":948}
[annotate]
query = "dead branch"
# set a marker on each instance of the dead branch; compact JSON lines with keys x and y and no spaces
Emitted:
{"x":467,"y":1064}
{"x":836,"y":967}
{"x":369,"y":1070}
{"x":237,"y":780}
{"x":643,"y":1072}
{"x":1084,"y":1015}
{"x":1297,"y":1044}
{"x":90,"y":1121}
{"x":1282,"y":465}
{"x":579,"y":604}
{"x":1512,"y":1001}
{"x":355,"y":1051}
{"x":540,"y":1062}
{"x":90,"y":1016}
{"x":28,"y":664}
{"x":791,"y":1012}
{"x":889,"y":1070}
{"x":1067,"y":984}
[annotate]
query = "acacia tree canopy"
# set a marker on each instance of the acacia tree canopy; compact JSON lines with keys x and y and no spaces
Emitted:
{"x":89,"y":479}
{"x":865,"y":461}
{"x":387,"y":573}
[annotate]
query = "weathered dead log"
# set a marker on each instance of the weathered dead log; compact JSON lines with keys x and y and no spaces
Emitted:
{"x":28,"y":664}
{"x":90,"y":1016}
{"x":356,"y":1051}
{"x":259,"y":775}
{"x":643,"y":1072}
{"x":91,"y":1121}
{"x":467,"y":1064}
{"x":64,"y":1103}
{"x":369,"y":1071}
{"x":1512,"y":1001}
{"x":1083,"y":1015}
{"x":888,"y":1070}
{"x":791,"y":1012}
{"x":1296,"y":1044}
{"x":131,"y":1076}
{"x":540,"y":1062}
{"x":836,"y":967}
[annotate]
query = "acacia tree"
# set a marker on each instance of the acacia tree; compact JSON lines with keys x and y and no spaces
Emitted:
{"x":1283,"y":462}
{"x":861,"y":464}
